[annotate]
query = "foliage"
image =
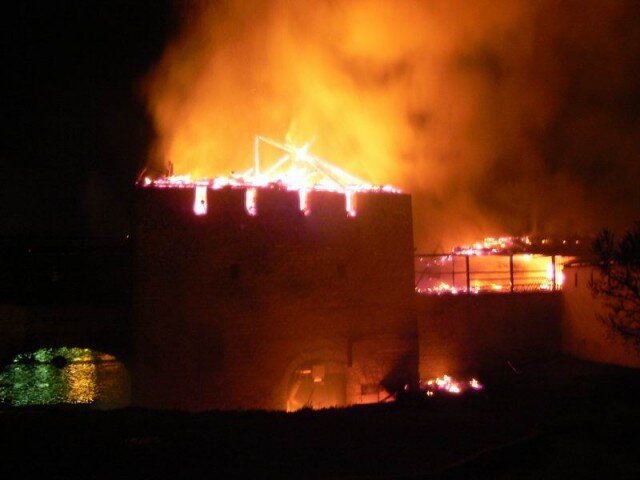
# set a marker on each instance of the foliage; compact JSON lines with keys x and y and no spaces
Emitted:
{"x":618,"y":285}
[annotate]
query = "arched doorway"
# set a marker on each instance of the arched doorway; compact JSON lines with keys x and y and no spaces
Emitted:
{"x":317,"y":384}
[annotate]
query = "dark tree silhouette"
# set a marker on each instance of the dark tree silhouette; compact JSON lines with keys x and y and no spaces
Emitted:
{"x":618,"y":286}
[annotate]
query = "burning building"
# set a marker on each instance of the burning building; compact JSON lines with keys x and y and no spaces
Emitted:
{"x":261,"y":292}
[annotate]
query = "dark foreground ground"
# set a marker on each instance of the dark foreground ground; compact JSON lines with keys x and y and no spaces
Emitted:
{"x":558,"y":419}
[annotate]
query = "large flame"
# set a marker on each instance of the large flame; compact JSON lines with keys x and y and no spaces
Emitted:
{"x":367,"y":82}
{"x":287,"y":71}
{"x":453,"y":101}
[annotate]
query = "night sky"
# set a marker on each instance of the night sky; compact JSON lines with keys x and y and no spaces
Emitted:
{"x":76,"y":128}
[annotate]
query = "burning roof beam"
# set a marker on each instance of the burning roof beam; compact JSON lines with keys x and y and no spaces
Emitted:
{"x":300,"y":155}
{"x":305,"y":173}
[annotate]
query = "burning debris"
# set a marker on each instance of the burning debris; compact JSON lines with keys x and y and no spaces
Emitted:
{"x":493,"y":245}
{"x":449,"y":385}
{"x":532,"y":245}
{"x":295,"y":170}
{"x":490,"y":273}
{"x":497,"y":264}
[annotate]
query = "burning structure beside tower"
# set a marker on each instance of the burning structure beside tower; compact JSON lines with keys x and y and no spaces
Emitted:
{"x":278,"y":289}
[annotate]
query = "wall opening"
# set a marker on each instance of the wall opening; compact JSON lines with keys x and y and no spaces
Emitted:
{"x":317,"y":384}
{"x":200,"y":201}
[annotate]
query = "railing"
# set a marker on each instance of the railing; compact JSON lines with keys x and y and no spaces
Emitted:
{"x":498,"y":273}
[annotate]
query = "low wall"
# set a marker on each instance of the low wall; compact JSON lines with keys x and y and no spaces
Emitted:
{"x":463,"y":334}
{"x":583,"y":334}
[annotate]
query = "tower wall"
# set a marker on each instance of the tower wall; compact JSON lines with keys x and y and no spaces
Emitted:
{"x":229,"y":307}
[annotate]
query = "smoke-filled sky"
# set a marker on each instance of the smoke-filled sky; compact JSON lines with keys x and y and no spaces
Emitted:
{"x":498,"y":116}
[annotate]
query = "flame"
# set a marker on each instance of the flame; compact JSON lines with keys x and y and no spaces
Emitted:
{"x":250,"y":201}
{"x":304,"y":201}
{"x":200,"y":202}
{"x":491,"y":264}
{"x":305,"y":172}
{"x":427,"y":96}
{"x":281,"y":68}
{"x":365,"y":82}
{"x":448,"y":384}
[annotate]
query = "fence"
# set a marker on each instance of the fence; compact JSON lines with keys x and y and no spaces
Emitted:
{"x":455,"y":273}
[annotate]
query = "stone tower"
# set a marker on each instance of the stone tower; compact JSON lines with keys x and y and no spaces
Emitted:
{"x":271,"y":298}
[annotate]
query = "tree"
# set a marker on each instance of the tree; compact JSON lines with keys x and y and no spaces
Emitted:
{"x":618,"y":285}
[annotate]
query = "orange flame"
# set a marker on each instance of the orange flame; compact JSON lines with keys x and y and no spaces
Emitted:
{"x":433,"y":97}
{"x":448,"y":384}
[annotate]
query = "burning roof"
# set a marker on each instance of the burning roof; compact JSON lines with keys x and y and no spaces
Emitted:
{"x":296,"y":169}
{"x":572,"y":245}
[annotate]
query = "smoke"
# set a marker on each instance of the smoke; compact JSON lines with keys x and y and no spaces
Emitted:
{"x":499,"y":116}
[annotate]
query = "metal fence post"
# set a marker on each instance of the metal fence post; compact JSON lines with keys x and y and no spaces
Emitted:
{"x":453,"y":271}
{"x":466,"y":261}
{"x":511,"y":282}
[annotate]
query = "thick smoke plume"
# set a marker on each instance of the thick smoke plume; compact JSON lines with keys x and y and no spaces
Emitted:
{"x":499,"y":116}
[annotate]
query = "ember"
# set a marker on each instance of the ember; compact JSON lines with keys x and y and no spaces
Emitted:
{"x":449,"y":385}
